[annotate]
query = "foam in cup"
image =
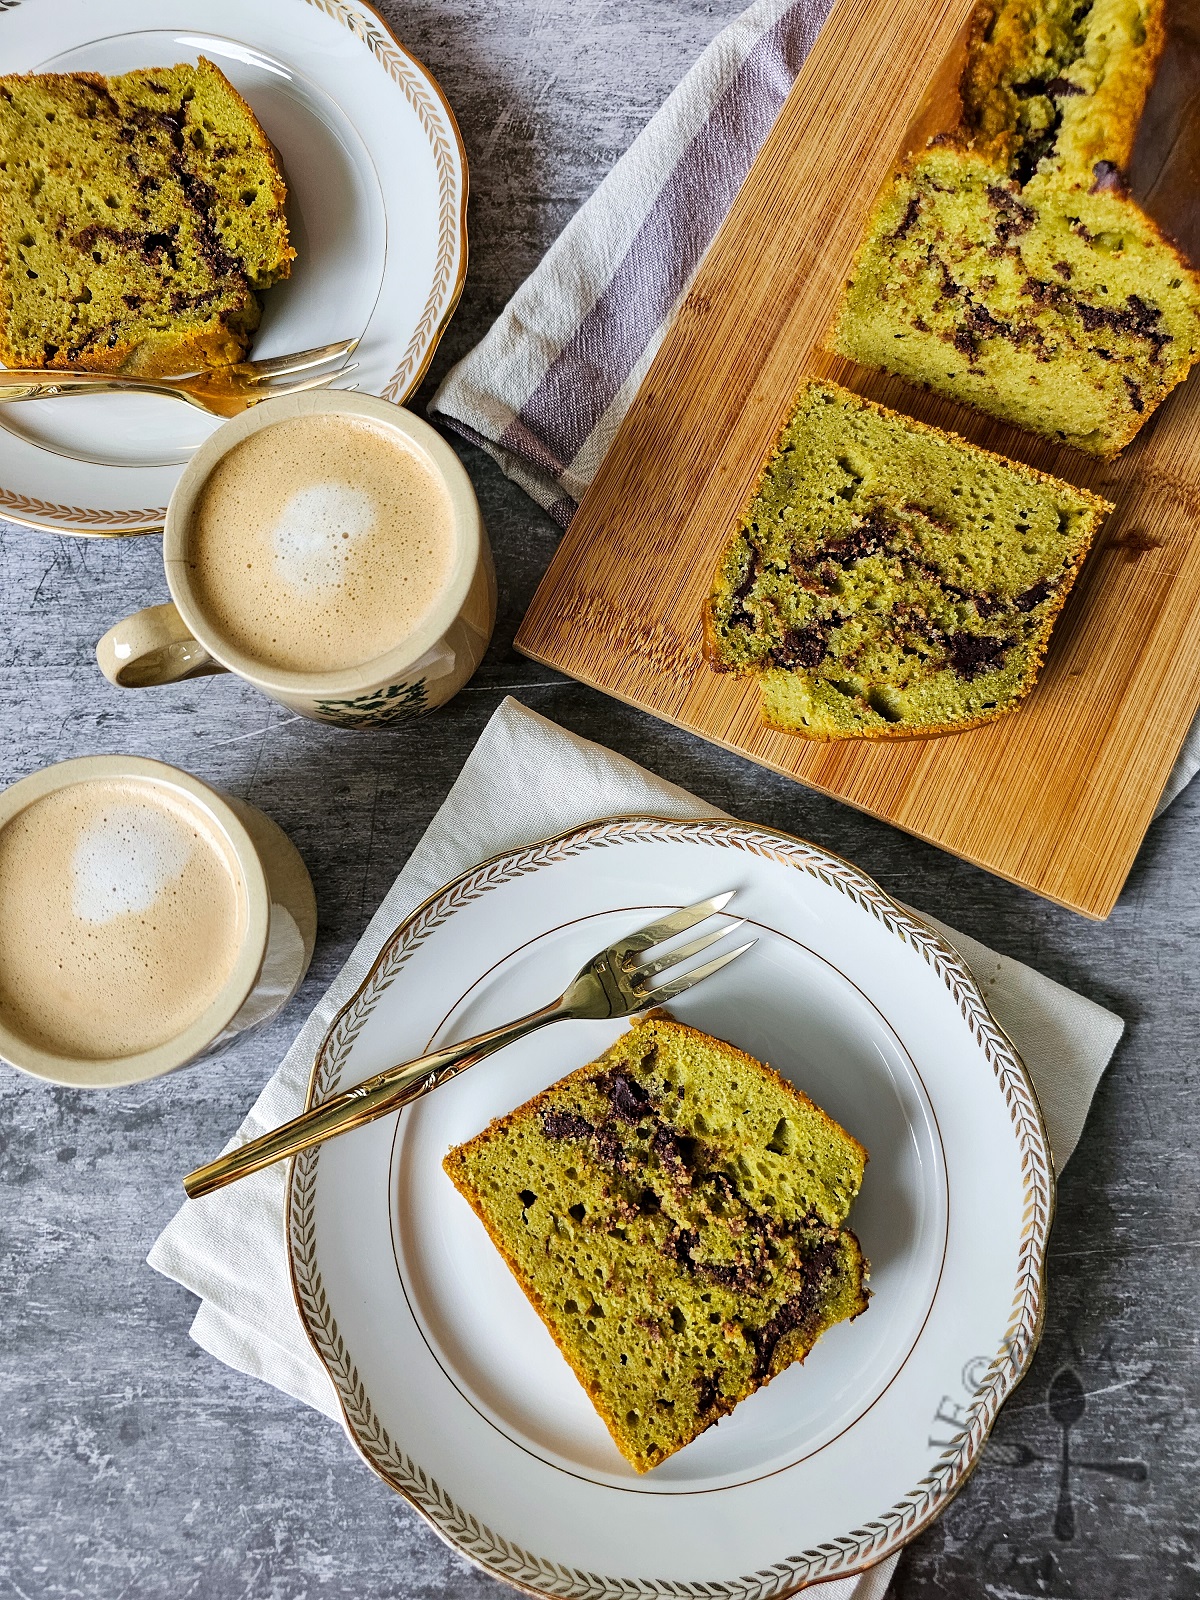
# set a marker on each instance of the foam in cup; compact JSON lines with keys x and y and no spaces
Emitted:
{"x":125,"y":862}
{"x":320,"y":543}
{"x":316,"y":534}
{"x":123,"y":919}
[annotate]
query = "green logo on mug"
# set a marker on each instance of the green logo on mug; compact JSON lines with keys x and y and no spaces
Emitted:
{"x":397,"y":703}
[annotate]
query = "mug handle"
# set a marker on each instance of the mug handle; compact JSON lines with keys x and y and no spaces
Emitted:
{"x":152,"y":647}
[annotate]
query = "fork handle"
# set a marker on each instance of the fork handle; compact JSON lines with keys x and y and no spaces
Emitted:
{"x":36,"y":384}
{"x":374,"y":1097}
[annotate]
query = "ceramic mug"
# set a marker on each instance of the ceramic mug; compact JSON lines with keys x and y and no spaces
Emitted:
{"x":275,"y":921}
{"x":168,"y":643}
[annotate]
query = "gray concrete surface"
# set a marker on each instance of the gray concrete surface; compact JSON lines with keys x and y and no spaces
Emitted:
{"x":131,"y":1464}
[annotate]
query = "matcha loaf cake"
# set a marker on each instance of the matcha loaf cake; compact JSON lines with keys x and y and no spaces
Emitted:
{"x":1038,"y":253}
{"x":674,"y":1213}
{"x":139,"y":215}
{"x":888,"y":579}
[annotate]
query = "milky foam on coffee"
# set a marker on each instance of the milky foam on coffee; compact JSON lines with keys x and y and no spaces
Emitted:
{"x":320,"y":543}
{"x":317,"y":534}
{"x":126,"y":860}
{"x":121,"y":919}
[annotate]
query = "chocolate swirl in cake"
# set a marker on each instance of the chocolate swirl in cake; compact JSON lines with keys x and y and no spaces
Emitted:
{"x":139,"y":215}
{"x":1037,"y":254}
{"x":674,"y":1210}
{"x":891,"y":579}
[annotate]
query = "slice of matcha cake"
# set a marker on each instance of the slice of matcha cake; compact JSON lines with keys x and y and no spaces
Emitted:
{"x":888,"y":579}
{"x":674,"y":1213}
{"x":1038,"y":253}
{"x":139,"y":215}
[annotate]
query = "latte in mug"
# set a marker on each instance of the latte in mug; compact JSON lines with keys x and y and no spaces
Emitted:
{"x":121,"y":915}
{"x":327,"y":548}
{"x":320,"y":543}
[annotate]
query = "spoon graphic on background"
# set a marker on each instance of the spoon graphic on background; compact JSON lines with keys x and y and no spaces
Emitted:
{"x":1065,"y":1403}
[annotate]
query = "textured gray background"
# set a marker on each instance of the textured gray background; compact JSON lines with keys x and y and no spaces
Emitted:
{"x":131,"y":1464}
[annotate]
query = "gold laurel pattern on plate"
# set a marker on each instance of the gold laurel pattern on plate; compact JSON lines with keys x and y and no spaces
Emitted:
{"x":841,"y":1557}
{"x":21,"y":506}
{"x":434,"y":113}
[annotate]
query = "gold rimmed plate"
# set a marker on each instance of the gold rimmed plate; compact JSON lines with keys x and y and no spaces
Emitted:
{"x":449,"y":1384}
{"x":377,"y":192}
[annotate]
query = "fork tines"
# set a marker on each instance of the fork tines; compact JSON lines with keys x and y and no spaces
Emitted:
{"x":668,"y":991}
{"x":669,"y":927}
{"x":323,"y":380}
{"x":298,"y":361}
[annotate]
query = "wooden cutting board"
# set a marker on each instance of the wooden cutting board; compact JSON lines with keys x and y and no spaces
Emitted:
{"x":1055,"y":796}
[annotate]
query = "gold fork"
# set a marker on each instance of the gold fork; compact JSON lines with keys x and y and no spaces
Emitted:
{"x":609,"y":985}
{"x":221,"y":391}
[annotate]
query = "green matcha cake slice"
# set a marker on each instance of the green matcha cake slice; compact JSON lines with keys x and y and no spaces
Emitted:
{"x":888,"y":579}
{"x":1037,"y":254}
{"x":139,"y":215}
{"x":674,"y":1213}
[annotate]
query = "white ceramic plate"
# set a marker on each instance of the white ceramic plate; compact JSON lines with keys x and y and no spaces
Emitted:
{"x":450,"y":1385}
{"x":377,"y":182}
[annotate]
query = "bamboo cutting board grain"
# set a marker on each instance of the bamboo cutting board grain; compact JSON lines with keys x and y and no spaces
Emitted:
{"x":1055,"y":796}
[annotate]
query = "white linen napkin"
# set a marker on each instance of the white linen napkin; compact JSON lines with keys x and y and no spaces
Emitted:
{"x":525,"y":780}
{"x":545,"y":391}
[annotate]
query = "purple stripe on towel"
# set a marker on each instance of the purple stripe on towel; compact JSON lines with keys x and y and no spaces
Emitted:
{"x":562,"y":510}
{"x":584,"y":377}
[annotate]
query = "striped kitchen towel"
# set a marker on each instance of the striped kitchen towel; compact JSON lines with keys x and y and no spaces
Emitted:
{"x":545,"y":390}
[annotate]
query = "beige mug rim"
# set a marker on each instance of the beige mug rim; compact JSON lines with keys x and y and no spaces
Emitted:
{"x":116,"y":1071}
{"x":394,"y":663}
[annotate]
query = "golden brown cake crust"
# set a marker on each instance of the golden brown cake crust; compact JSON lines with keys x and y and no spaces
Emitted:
{"x":1035,"y":250}
{"x":663,"y":1017}
{"x":1163,"y":173}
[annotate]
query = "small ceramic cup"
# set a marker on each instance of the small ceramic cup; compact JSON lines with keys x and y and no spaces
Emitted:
{"x":167,"y":643}
{"x":276,"y":921}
